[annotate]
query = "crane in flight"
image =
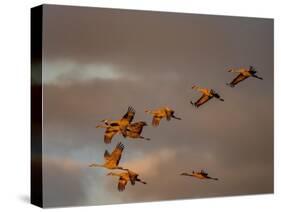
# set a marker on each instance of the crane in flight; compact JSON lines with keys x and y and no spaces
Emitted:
{"x":125,"y":177}
{"x":207,"y":94}
{"x":199,"y":175}
{"x":158,"y":114}
{"x":118,"y":126}
{"x":111,"y":160}
{"x":243,"y":73}
{"x":134,"y":130}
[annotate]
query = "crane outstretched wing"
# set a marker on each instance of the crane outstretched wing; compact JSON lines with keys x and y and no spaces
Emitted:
{"x":122,"y":184}
{"x":117,"y":153}
{"x":156,"y":120}
{"x":238,"y":79}
{"x":202,"y":100}
{"x":130,"y":114}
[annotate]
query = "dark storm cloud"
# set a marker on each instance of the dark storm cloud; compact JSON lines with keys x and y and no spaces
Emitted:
{"x":98,"y":62}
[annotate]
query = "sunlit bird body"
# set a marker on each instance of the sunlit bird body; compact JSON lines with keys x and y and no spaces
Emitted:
{"x":207,"y":94}
{"x":244,"y":73}
{"x":134,"y":130}
{"x":199,"y":175}
{"x":118,"y":126}
{"x":112,"y":160}
{"x":124,"y":177}
{"x":160,"y":113}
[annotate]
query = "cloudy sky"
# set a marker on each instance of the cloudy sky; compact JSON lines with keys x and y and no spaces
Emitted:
{"x":97,"y":62}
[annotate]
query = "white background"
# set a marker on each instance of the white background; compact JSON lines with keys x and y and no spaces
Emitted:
{"x":15,"y":101}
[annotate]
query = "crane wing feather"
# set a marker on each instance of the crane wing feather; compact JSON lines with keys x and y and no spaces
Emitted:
{"x":238,"y":79}
{"x":156,"y":120}
{"x":202,"y":100}
{"x":117,"y":153}
{"x":122,"y":184}
{"x":130,"y":114}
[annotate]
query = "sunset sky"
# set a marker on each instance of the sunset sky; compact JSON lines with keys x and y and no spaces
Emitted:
{"x":97,"y":62}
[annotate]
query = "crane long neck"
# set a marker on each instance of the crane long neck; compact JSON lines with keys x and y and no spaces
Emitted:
{"x":149,"y":111}
{"x":101,"y":126}
{"x":175,"y":117}
{"x":187,"y":174}
{"x":121,"y":168}
{"x":141,"y":181}
{"x":96,"y":165}
{"x":115,"y":174}
{"x":214,"y":178}
{"x":195,"y":87}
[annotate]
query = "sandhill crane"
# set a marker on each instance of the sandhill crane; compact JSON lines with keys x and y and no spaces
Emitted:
{"x":118,"y":126}
{"x":200,"y":175}
{"x":244,"y":73}
{"x":124,"y":177}
{"x":160,"y":113}
{"x":134,"y":130}
{"x":112,"y":160}
{"x":207,"y":94}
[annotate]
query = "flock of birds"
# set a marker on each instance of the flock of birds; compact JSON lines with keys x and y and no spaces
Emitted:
{"x":133,"y":130}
